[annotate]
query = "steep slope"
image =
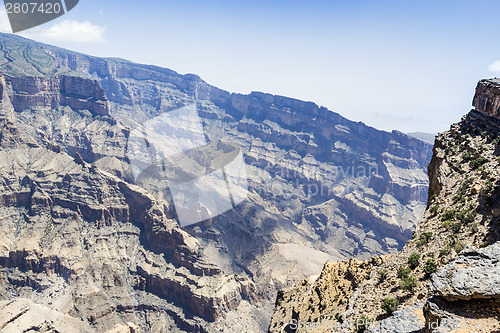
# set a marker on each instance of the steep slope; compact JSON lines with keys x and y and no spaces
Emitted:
{"x":321,"y":187}
{"x":463,"y":212}
{"x":90,"y":246}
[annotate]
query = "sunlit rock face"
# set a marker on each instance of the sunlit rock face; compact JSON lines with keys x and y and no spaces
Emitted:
{"x":317,"y":187}
{"x":487,"y":98}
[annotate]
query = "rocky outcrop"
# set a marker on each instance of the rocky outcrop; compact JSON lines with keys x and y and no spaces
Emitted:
{"x":50,"y":92}
{"x":453,"y":241}
{"x":461,"y":316}
{"x":408,"y":320}
{"x":22,"y":315}
{"x":487,"y":98}
{"x":468,"y":296}
{"x":320,"y":299}
{"x":474,"y":274}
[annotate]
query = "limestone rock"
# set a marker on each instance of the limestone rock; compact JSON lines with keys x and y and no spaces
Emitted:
{"x":487,"y":98}
{"x":474,"y":274}
{"x":88,"y":245}
{"x":321,"y":298}
{"x":76,"y":92}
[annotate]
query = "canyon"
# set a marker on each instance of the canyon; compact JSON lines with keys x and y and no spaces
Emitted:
{"x":82,"y":240}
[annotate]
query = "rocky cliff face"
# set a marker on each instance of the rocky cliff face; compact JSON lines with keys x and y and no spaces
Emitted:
{"x":297,"y":144}
{"x":90,"y":246}
{"x":41,"y":92}
{"x":445,"y":278}
{"x":321,"y":188}
{"x":487,"y":98}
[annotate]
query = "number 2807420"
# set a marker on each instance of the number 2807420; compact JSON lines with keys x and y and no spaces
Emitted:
{"x":33,"y":8}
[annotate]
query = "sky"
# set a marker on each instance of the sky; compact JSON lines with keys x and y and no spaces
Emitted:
{"x":405,"y":65}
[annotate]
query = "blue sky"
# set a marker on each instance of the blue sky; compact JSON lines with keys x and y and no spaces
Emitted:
{"x":406,"y":65}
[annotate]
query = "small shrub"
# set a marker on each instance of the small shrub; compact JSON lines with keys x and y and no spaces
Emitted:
{"x":449,"y":215}
{"x":403,"y":272}
{"x":461,"y":215}
{"x":458,"y":247}
{"x":455,"y":227}
{"x":430,"y":267}
{"x":383,"y":275}
{"x":467,"y":156}
{"x":474,"y":164}
{"x":414,"y":260}
{"x":434,"y":209}
{"x":389,"y":305}
{"x":486,"y":190}
{"x":424,"y":238}
{"x":446,"y":250}
{"x":466,"y":185}
{"x":466,"y":216}
{"x":446,"y":224}
{"x":463,"y":189}
{"x":409,"y":283}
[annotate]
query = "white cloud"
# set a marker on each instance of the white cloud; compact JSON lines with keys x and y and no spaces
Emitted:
{"x":65,"y":31}
{"x":71,"y":31}
{"x":495,"y":67}
{"x":4,"y":22}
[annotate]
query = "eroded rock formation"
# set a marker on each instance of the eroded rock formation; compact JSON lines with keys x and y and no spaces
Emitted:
{"x":89,"y":246}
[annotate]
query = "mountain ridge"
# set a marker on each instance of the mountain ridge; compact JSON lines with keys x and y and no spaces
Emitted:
{"x":189,"y":76}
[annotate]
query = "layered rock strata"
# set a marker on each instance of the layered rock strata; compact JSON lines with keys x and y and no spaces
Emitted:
{"x":321,"y":187}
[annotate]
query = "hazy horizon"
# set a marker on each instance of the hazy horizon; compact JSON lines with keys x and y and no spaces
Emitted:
{"x":408,"y":67}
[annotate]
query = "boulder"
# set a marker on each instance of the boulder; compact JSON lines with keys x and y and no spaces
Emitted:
{"x":474,"y":274}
